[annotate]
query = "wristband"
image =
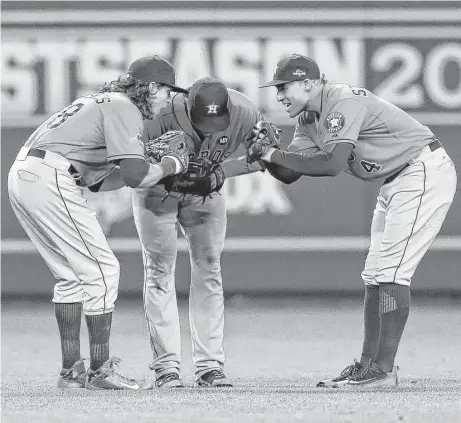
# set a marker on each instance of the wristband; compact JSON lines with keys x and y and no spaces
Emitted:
{"x":178,"y":166}
{"x":168,"y":166}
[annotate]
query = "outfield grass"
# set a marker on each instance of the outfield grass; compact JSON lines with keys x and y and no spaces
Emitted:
{"x":277,"y":350}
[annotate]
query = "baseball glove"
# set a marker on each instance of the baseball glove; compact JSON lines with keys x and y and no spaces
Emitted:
{"x":202,"y":178}
{"x":264,"y":135}
{"x":172,"y":144}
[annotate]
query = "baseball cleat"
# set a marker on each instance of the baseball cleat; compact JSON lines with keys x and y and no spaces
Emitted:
{"x":214,"y":378}
{"x":74,"y":377}
{"x":342,"y":379}
{"x":108,"y":377}
{"x":169,"y":380}
{"x":372,"y":377}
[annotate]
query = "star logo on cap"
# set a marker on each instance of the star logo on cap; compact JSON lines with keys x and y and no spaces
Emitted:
{"x":299,"y":72}
{"x":212,"y":109}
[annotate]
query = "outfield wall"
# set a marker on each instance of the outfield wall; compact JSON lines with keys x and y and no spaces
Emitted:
{"x":311,"y":236}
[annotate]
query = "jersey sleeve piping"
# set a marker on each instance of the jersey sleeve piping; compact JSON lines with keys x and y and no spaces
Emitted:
{"x":124,"y":156}
{"x":340,"y":140}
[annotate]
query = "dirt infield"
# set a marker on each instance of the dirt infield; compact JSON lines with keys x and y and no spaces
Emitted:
{"x":277,"y":350}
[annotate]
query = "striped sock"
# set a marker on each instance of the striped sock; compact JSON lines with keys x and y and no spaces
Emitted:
{"x":394,"y":308}
{"x":99,"y":333}
{"x":69,"y":318}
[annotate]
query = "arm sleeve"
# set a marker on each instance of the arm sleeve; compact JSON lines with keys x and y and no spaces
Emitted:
{"x":283,"y":174}
{"x":123,"y":128}
{"x":316,"y":164}
{"x":344,"y":122}
{"x":302,"y":142}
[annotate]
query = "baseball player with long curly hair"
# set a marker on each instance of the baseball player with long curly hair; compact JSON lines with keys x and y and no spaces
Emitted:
{"x":346,"y":128}
{"x":218,"y":120}
{"x":96,"y":142}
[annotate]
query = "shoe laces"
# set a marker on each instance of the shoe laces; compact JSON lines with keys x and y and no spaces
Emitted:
{"x":110,"y":367}
{"x":362,"y":372}
{"x":216,"y":374}
{"x":167,"y":377}
{"x":349,"y":370}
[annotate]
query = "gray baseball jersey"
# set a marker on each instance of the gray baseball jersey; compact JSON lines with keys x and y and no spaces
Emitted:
{"x":411,"y":205}
{"x":93,"y":133}
{"x":217,"y":146}
{"x":384,"y":136}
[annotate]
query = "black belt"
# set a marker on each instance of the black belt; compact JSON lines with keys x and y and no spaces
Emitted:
{"x":434,"y":145}
{"x":36,"y":152}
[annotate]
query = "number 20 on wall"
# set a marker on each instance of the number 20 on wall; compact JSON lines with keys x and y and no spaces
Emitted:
{"x":418,"y":74}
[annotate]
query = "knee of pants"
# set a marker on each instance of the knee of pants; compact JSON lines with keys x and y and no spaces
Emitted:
{"x":398,"y":281}
{"x":102,"y":293}
{"x":159,"y":269}
{"x":207,"y":272}
{"x":210,"y":261}
{"x":68,"y":291}
{"x":369,"y":278}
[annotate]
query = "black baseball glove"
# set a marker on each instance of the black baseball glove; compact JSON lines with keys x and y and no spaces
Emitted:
{"x":264,"y":135}
{"x":172,"y":144}
{"x":202,"y":178}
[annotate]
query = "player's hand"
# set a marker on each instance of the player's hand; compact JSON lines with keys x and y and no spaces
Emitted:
{"x":203,"y":168}
{"x":207,"y":176}
{"x":174,"y":145}
{"x":202,"y":178}
{"x":264,"y":136}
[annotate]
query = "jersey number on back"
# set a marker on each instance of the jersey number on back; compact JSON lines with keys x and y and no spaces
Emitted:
{"x":71,"y":110}
{"x":358,"y":91}
{"x":65,"y":114}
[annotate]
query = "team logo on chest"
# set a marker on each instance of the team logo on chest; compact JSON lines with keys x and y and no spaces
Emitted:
{"x":212,"y":109}
{"x":334,"y":122}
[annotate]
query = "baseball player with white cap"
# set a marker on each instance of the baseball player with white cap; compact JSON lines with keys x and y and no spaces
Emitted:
{"x":96,"y":142}
{"x":339,"y":128}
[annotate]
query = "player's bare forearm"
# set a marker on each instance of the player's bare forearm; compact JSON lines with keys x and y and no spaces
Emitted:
{"x":239,"y":166}
{"x":316,"y":164}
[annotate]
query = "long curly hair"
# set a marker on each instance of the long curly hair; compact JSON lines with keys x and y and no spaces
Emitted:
{"x":138,"y":92}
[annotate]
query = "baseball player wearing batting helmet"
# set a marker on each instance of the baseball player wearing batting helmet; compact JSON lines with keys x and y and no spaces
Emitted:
{"x":342,"y":127}
{"x":218,"y":120}
{"x":96,"y":142}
